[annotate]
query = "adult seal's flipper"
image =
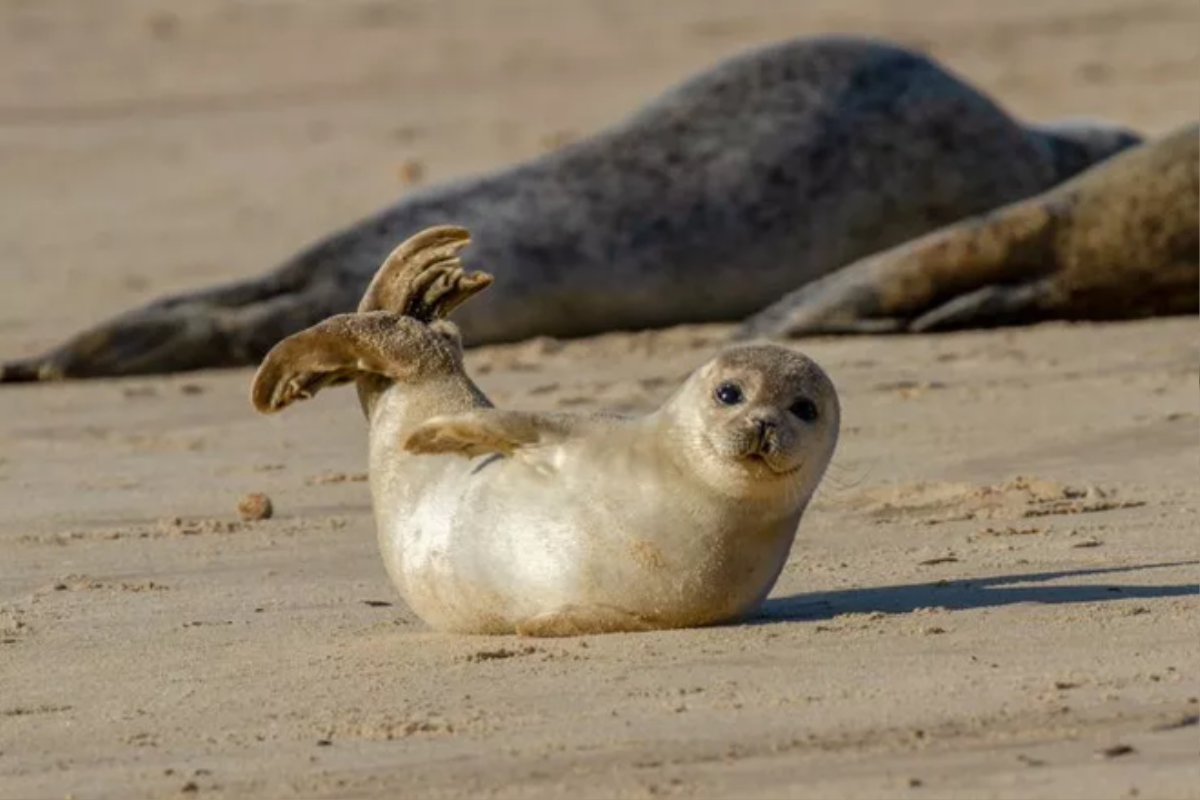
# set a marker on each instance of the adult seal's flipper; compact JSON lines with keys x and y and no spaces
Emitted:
{"x":885,"y":292}
{"x":1120,"y":241}
{"x":226,"y":327}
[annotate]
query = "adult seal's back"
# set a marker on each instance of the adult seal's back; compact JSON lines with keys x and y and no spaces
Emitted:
{"x":767,"y":171}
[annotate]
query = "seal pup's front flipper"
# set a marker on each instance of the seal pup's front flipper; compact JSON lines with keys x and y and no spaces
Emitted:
{"x":400,"y":334}
{"x":489,"y":431}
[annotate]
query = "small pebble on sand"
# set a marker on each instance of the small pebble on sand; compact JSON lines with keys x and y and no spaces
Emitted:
{"x":255,"y":506}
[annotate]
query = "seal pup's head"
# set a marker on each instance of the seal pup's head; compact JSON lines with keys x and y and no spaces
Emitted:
{"x":758,"y":421}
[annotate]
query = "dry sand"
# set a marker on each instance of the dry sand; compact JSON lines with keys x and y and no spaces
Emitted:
{"x":994,"y":596}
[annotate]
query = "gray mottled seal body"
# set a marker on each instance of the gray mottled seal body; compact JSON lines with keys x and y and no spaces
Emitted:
{"x":760,"y":174}
{"x":1119,"y":241}
{"x":495,"y":521}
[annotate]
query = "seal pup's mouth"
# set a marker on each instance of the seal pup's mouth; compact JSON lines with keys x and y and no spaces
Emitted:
{"x":761,"y":460}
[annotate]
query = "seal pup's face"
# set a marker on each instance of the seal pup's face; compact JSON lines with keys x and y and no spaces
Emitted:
{"x":757,"y":419}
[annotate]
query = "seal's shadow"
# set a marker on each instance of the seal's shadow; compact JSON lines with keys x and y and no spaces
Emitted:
{"x":1000,"y":590}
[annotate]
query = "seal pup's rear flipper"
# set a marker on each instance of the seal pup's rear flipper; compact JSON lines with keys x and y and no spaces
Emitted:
{"x":423,"y":278}
{"x":400,"y":333}
{"x":489,"y":430}
{"x":346,"y":347}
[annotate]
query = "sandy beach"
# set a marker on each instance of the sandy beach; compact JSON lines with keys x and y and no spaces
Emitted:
{"x":995,"y":593}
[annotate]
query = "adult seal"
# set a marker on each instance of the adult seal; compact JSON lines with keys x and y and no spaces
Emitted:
{"x":1119,"y":241}
{"x":763,"y":173}
{"x":497,"y":521}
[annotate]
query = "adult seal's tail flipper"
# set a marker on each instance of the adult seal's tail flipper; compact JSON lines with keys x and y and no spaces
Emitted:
{"x":236,"y":325}
{"x":226,"y":326}
{"x":1120,"y":241}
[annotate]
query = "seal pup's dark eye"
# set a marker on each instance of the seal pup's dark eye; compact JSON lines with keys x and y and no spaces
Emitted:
{"x":805,"y":409}
{"x":729,"y":394}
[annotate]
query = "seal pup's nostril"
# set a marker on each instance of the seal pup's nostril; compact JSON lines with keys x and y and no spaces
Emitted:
{"x":765,"y":430}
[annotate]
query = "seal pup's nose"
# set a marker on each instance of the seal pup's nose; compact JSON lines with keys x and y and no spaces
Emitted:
{"x":765,"y":429}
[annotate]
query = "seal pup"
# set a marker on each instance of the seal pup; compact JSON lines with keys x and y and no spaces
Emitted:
{"x":768,"y":170}
{"x":553,"y":524}
{"x":1119,"y":241}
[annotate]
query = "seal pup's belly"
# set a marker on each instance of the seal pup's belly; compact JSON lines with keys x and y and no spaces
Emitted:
{"x":493,"y":542}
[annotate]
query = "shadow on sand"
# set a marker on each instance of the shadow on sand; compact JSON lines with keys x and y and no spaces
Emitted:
{"x":1000,"y":590}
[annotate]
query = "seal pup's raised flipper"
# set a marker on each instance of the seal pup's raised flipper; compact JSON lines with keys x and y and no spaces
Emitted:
{"x":401,"y":330}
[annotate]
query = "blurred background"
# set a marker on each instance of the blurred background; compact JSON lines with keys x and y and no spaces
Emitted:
{"x":148,"y":146}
